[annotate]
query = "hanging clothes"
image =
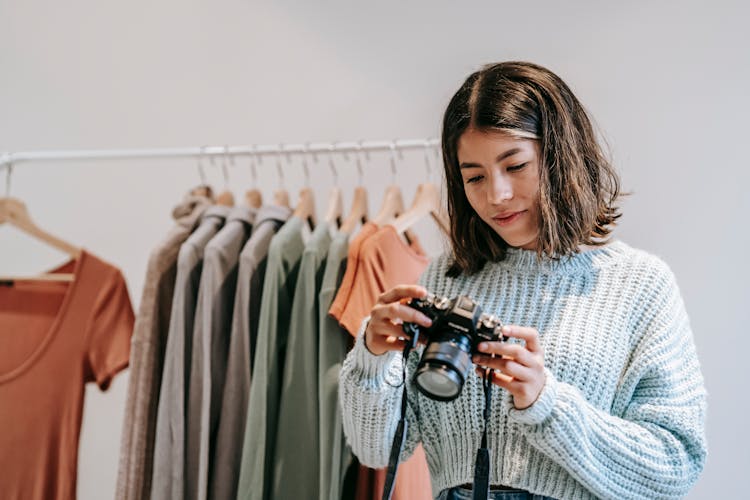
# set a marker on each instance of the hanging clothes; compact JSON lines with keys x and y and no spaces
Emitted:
{"x":296,"y":449}
{"x":384,"y":261}
{"x":334,"y":454}
{"x":147,"y":354}
{"x":345,"y":289}
{"x":284,"y":255}
{"x":213,"y":320}
{"x":225,"y":465}
{"x":56,"y":337}
{"x":169,"y":456}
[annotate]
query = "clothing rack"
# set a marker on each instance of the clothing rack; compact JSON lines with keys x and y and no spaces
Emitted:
{"x":8,"y":159}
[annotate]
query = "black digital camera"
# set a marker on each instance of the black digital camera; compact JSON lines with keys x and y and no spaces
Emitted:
{"x":458,"y":326}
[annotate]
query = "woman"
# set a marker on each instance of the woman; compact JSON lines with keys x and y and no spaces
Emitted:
{"x":598,"y":392}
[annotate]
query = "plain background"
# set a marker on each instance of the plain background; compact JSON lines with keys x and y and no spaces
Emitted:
{"x":666,"y":82}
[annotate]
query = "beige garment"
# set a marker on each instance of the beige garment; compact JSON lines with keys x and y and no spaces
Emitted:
{"x":147,"y":354}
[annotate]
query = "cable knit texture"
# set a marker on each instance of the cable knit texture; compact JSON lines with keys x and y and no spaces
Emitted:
{"x":621,"y":414}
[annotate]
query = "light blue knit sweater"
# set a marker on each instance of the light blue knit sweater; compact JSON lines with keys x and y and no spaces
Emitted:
{"x":622,"y":412}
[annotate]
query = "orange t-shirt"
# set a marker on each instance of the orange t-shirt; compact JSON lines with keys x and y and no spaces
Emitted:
{"x":55,"y":337}
{"x":384,"y":261}
{"x":352,"y":259}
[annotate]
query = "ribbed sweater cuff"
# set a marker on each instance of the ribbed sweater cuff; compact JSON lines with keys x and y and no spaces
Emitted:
{"x":374,"y":367}
{"x":542,"y":407}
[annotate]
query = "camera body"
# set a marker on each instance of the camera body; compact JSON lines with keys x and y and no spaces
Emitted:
{"x":458,"y":326}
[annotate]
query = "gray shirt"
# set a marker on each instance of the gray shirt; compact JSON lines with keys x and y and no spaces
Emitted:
{"x":147,"y":353}
{"x":333,"y":341}
{"x":169,"y":450}
{"x":284,"y":256}
{"x":296,"y":452}
{"x":213,"y":319}
{"x":224,"y":468}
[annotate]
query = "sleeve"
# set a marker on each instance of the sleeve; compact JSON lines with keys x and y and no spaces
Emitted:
{"x":108,"y":332}
{"x":370,"y":392}
{"x":652,"y":444}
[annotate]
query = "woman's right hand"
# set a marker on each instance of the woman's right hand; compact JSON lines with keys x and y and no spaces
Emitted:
{"x":384,"y":330}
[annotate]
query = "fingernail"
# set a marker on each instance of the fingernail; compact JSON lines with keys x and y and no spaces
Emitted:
{"x":483,"y":346}
{"x":506,"y":329}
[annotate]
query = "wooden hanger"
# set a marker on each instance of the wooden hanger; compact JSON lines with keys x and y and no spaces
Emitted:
{"x":305,"y":208}
{"x":426,"y":202}
{"x":335,"y":207}
{"x":14,"y":212}
{"x":254,"y":198}
{"x":358,"y":213}
{"x":281,"y":198}
{"x":393,"y":205}
{"x":225,"y":198}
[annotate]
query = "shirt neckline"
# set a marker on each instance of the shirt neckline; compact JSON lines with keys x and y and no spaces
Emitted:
{"x":60,"y":318}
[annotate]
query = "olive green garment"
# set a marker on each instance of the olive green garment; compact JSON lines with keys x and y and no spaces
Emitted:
{"x":296,"y":453}
{"x":284,"y":255}
{"x":333,"y":341}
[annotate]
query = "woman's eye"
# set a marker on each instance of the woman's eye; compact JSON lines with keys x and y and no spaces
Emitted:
{"x":472,"y":180}
{"x":517,"y":167}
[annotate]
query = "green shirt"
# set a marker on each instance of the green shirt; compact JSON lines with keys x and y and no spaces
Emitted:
{"x":295,"y":470}
{"x":284,"y":255}
{"x":333,"y":341}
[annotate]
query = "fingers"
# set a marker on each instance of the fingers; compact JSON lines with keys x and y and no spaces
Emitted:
{"x":507,"y":366}
{"x":527,"y":333}
{"x":402,"y":292}
{"x":384,"y":330}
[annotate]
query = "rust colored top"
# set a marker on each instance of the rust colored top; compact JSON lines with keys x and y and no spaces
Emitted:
{"x":385,"y":260}
{"x":55,"y":337}
{"x":345,"y":288}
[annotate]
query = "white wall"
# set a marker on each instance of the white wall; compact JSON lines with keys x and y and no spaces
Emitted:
{"x":666,"y":83}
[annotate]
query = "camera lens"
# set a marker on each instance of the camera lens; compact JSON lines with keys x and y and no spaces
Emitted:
{"x":443,"y":368}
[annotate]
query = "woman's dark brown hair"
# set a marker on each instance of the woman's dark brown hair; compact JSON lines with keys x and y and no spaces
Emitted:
{"x":578,"y":186}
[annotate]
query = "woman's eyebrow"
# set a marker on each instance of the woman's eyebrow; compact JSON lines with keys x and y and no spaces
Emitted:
{"x":499,"y":158}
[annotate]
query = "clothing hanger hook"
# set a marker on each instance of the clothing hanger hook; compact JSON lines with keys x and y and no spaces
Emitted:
{"x":392,"y":147}
{"x":9,"y":175}
{"x":427,"y":161}
{"x":226,"y":158}
{"x":332,"y":150}
{"x":279,"y":167}
{"x":359,"y":163}
{"x":344,"y":152}
{"x":201,"y":172}
{"x":254,"y":164}
{"x":305,"y":166}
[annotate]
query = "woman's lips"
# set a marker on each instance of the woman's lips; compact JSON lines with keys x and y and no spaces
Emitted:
{"x":504,"y":221}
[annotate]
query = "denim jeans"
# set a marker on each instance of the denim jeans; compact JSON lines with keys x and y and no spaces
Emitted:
{"x":459,"y":493}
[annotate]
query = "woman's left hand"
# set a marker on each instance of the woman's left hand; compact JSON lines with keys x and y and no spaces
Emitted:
{"x":521,"y":368}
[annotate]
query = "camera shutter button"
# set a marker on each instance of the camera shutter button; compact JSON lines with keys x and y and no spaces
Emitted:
{"x":442,"y":303}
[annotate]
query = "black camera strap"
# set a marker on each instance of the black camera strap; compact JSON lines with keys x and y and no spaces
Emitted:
{"x":400,"y":436}
{"x":481,"y":488}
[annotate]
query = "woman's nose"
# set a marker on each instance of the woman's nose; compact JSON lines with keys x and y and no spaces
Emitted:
{"x":500,"y":190}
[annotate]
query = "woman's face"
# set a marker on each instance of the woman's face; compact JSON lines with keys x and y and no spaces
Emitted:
{"x":501,"y":181}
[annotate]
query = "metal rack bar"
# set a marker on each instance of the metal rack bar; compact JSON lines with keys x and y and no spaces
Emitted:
{"x":9,"y":158}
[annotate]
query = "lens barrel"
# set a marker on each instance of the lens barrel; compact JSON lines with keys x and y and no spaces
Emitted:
{"x":444,"y":366}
